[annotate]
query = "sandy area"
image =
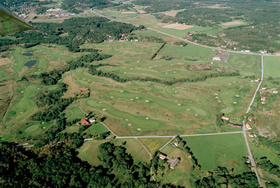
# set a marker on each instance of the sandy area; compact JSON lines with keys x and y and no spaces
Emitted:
{"x":178,"y":26}
{"x":4,"y":61}
{"x":233,"y":23}
{"x":172,"y":12}
{"x":128,"y":12}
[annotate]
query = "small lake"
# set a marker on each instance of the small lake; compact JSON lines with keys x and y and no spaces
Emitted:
{"x":27,"y":54}
{"x":169,"y":59}
{"x":30,"y":63}
{"x":191,"y":59}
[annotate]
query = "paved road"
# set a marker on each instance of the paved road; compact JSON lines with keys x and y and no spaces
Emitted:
{"x":167,"y":143}
{"x":214,"y":48}
{"x":250,"y":155}
{"x":171,"y":136}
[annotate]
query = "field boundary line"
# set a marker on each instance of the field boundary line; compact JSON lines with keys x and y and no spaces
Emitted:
{"x":109,"y":129}
{"x":167,"y":143}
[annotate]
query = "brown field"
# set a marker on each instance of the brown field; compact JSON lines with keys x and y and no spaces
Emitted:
{"x":4,"y":61}
{"x":130,"y":12}
{"x":72,"y":86}
{"x":171,"y":13}
{"x":233,"y":23}
{"x":178,"y":26}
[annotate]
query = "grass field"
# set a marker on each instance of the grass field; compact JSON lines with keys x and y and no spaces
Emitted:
{"x":245,"y":62}
{"x":154,"y":144}
{"x":271,"y":67}
{"x":221,"y":150}
{"x":182,"y":174}
{"x":89,"y":151}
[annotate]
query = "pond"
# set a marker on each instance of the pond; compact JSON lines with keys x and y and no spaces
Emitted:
{"x":169,"y":59}
{"x":30,"y":63}
{"x":27,"y":54}
{"x":191,"y":59}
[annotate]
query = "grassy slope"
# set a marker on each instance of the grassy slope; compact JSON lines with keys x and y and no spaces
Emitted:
{"x":221,"y":150}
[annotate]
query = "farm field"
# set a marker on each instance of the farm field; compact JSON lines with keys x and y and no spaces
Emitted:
{"x":219,"y":150}
{"x":271,"y":67}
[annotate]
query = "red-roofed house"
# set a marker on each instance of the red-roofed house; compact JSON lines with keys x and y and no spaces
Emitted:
{"x":84,"y":121}
{"x":263,"y":99}
{"x":225,"y":118}
{"x":250,"y":119}
{"x":161,"y":156}
{"x":82,"y":90}
{"x":123,"y":34}
{"x":248,"y":126}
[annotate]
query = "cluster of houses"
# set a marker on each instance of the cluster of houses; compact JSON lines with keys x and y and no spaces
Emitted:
{"x":173,"y":162}
{"x":231,"y":124}
{"x":265,"y":52}
{"x":263,"y":91}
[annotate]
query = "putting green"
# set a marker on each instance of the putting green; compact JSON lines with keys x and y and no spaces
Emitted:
{"x":32,"y":128}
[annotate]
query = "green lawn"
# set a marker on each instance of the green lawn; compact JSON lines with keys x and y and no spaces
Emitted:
{"x":271,"y":67}
{"x":245,"y":62}
{"x":219,"y":150}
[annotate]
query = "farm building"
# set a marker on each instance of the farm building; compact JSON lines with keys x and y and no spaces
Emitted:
{"x":174,"y":163}
{"x":257,"y":79}
{"x":161,"y":156}
{"x":84,"y":121}
{"x":82,"y":90}
{"x":92,"y":120}
{"x":263,"y":99}
{"x":225,"y":118}
{"x":217,"y":58}
{"x":250,"y":118}
{"x":248,"y":126}
{"x":235,"y":125}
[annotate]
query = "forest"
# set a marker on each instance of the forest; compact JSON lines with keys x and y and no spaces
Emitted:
{"x":59,"y":166}
{"x":79,"y":30}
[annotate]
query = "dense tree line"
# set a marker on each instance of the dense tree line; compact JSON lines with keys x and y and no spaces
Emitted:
{"x":79,"y":30}
{"x":59,"y":166}
{"x":72,"y":5}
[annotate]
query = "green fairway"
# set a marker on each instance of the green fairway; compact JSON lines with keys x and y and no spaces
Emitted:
{"x":220,"y":150}
{"x":271,"y":67}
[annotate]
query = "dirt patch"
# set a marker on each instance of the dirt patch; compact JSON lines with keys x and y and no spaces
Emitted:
{"x":234,"y":162}
{"x":128,"y":12}
{"x":196,"y":67}
{"x":233,"y":23}
{"x":73,"y":87}
{"x":172,"y":12}
{"x":178,"y":26}
{"x":4,"y":61}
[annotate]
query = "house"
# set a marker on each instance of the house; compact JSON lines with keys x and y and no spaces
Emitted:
{"x":176,"y":144}
{"x":82,"y":90}
{"x":247,"y":51}
{"x":92,"y":120}
{"x":248,"y":126}
{"x":123,"y":34}
{"x":161,"y":156}
{"x":174,"y":163}
{"x":263,"y":99}
{"x":258,"y":79}
{"x":250,"y":118}
{"x":225,"y":118}
{"x":251,"y":135}
{"x":217,"y":58}
{"x":275,"y":92}
{"x":84,"y":121}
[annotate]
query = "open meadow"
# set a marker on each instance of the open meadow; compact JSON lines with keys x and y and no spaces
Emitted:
{"x":219,"y":150}
{"x":271,"y":67}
